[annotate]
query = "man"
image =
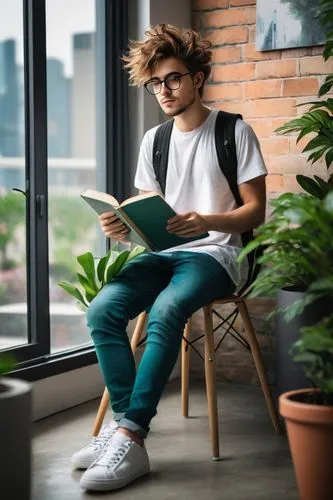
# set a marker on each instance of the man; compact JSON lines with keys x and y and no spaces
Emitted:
{"x":174,"y":65}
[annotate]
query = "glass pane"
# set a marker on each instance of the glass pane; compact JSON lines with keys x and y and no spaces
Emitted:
{"x":71,"y":103}
{"x":13,"y":282}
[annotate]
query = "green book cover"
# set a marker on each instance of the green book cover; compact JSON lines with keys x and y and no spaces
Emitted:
{"x":146,"y":215}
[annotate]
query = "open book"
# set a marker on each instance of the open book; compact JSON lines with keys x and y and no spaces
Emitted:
{"x":145,"y":215}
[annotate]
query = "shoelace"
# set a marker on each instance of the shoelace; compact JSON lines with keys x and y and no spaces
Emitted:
{"x":99,"y":441}
{"x":111,"y":456}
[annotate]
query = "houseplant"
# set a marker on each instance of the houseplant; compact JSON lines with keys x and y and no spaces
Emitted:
{"x":298,"y":254}
{"x":97,"y":273}
{"x":317,"y":124}
{"x":15,"y":425}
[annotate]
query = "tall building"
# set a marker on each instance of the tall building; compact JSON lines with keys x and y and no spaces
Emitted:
{"x":58,"y":110}
{"x":83,"y":125}
{"x":10,"y":101}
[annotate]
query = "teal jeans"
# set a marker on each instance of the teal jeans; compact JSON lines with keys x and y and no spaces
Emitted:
{"x":172,"y":286}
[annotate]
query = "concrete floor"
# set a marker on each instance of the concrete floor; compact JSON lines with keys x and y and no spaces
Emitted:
{"x":255,"y":462}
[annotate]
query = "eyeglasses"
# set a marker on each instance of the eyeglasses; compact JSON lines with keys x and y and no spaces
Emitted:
{"x":171,"y":81}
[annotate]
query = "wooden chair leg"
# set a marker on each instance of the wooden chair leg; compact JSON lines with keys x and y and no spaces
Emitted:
{"x":137,"y":334}
{"x":259,"y":364}
{"x":103,"y":406}
{"x":185,"y":368}
{"x":210,"y":372}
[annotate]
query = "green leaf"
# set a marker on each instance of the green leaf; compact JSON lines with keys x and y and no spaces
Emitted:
{"x":72,"y":290}
{"x":306,"y":357}
{"x":328,"y":203}
{"x":116,"y":266}
{"x":329,"y":158}
{"x":87,"y":263}
{"x":324,"y":185}
{"x":137,"y":250}
{"x":310,"y":186}
{"x":101,"y":267}
{"x":7,"y":363}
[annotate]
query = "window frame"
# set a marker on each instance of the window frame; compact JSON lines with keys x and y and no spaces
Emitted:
{"x":34,"y":359}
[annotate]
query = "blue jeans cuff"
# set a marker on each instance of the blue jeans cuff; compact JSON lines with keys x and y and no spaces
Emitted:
{"x":118,"y":416}
{"x":132,"y":426}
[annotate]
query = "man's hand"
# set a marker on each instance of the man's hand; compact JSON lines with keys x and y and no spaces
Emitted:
{"x":188,"y":224}
{"x":112,"y":226}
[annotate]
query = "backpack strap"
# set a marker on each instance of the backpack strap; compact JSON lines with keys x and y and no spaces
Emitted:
{"x":161,"y":152}
{"x":227,"y":156}
{"x":225,"y":144}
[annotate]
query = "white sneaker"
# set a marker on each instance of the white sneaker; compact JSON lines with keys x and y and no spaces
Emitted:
{"x":120,"y":463}
{"x":83,"y":458}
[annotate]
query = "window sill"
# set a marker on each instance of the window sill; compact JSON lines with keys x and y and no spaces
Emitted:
{"x":47,"y":367}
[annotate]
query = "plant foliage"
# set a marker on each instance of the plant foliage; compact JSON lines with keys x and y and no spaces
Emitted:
{"x":298,"y":253}
{"x":318,"y":120}
{"x":97,"y":273}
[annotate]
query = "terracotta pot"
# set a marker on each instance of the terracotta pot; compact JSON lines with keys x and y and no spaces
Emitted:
{"x":310,"y":435}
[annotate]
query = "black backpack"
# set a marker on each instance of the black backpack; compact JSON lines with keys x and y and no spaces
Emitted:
{"x":226,"y":153}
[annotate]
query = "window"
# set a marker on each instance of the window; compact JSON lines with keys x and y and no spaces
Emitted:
{"x":62,"y":120}
{"x":72,"y":166}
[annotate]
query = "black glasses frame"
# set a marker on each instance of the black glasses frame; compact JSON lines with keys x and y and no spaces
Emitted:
{"x":165,"y":81}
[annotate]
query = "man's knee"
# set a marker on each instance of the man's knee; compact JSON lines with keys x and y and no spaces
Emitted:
{"x":105,"y":309}
{"x":169,"y":314}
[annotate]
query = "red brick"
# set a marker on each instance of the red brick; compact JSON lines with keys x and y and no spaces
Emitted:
{"x":234,"y":72}
{"x":315,"y":51}
{"x":275,"y":183}
{"x":252,"y":33}
{"x":262,"y":88}
{"x":300,"y":86}
{"x":275,"y":146}
{"x":209,"y":4}
{"x":218,"y":92}
{"x":290,"y":164}
{"x":276,"y":69}
{"x":291,"y":184}
{"x":315,"y":65}
{"x":238,"y":3}
{"x":228,"y":35}
{"x":251,"y":54}
{"x":264,"y":127}
{"x":302,"y":104}
{"x":230,"y":17}
{"x":290,"y":53}
{"x":297,"y":148}
{"x":226,"y":54}
{"x":233,"y":107}
{"x":271,"y":108}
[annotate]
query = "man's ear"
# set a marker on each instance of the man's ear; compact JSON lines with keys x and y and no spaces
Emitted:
{"x":198,"y":79}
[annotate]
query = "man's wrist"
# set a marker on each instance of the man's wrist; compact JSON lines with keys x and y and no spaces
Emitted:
{"x":214,"y":222}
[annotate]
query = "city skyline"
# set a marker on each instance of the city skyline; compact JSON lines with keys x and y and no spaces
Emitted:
{"x":70,"y":102}
{"x":79,"y":18}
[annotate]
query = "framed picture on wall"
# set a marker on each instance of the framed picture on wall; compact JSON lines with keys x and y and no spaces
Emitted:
{"x":285,"y":24}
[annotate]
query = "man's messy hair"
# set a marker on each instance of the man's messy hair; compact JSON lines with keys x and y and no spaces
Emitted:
{"x":163,"y":41}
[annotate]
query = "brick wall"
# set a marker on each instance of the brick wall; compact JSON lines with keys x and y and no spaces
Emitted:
{"x":265,"y":87}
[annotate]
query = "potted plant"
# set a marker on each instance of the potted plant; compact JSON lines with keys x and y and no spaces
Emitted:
{"x":97,"y":273}
{"x":15,"y":425}
{"x":298,"y":255}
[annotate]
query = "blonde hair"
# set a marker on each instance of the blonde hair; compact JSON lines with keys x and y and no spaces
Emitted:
{"x":163,"y":41}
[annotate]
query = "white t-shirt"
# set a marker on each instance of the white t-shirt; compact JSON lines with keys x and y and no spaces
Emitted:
{"x":195,"y":182}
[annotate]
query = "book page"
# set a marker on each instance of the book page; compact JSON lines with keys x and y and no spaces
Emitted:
{"x":138,"y":197}
{"x":135,"y":235}
{"x":98,"y":195}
